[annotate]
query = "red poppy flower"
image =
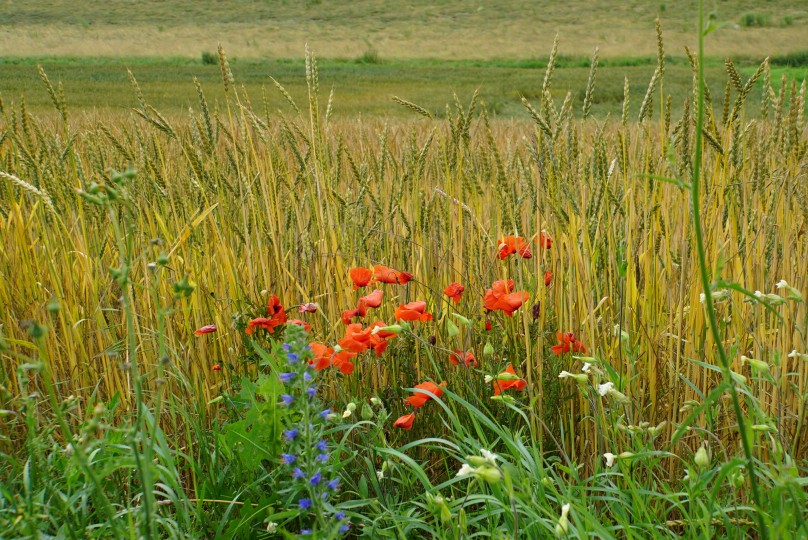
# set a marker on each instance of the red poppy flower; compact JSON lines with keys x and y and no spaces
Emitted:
{"x":405,"y":422}
{"x":548,"y":278}
{"x":382,"y":274}
{"x":322,"y":356}
{"x":454,"y":291}
{"x":356,"y":338}
{"x":414,"y":311}
{"x":207,"y":329}
{"x":418,"y":400}
{"x":216,"y":367}
{"x":514,"y":244}
{"x":500,"y":297}
{"x":373,"y":300}
{"x":277,"y":317}
{"x":349,"y":314}
{"x":266,"y":323}
{"x":342,"y":361}
{"x":306,"y":326}
{"x":361,"y":277}
{"x":379,"y":339}
{"x":545,"y":241}
{"x":468,"y":361}
{"x":488,"y":325}
{"x":516,"y":384}
{"x":567,"y":343}
{"x":308,"y":307}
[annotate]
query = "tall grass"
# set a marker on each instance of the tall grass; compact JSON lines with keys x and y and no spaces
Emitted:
{"x":235,"y":200}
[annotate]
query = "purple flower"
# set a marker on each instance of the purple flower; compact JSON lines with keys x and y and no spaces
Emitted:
{"x":304,"y":504}
{"x":316,"y":478}
{"x":307,"y":376}
{"x":290,"y":434}
{"x":297,"y":473}
{"x":322,"y":446}
{"x":344,"y":528}
{"x":305,"y":531}
{"x":339,"y":516}
{"x":322,"y":457}
{"x":286,"y":347}
{"x":334,"y":484}
{"x":311,"y":391}
{"x":287,"y":399}
{"x":288,"y":459}
{"x":325,"y":413}
{"x":286,"y":377}
{"x":292,"y":357}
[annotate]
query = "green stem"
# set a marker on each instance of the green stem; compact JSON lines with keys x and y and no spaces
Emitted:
{"x":705,"y":282}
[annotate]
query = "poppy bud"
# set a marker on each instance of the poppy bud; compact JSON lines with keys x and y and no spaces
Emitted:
{"x":452,"y":329}
{"x":432,"y":340}
{"x":506,"y":376}
{"x":536,"y":310}
{"x":488,"y":350}
{"x":702,"y":459}
{"x":461,"y":319}
{"x":351,"y":406}
{"x":367,"y":412}
{"x":216,"y":367}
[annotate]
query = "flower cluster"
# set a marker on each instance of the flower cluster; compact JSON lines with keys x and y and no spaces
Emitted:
{"x":310,"y":479}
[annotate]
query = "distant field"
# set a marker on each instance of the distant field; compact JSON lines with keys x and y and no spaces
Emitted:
{"x":454,"y":29}
{"x":370,"y":51}
{"x":359,"y":89}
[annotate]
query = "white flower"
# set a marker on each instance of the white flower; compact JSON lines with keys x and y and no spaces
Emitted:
{"x":489,"y":379}
{"x":380,"y":475}
{"x":609,"y":458}
{"x":272,"y":527}
{"x":563,"y":525}
{"x":489,"y":456}
{"x":375,"y":401}
{"x":466,"y":470}
{"x":347,"y":414}
{"x":605,"y":388}
{"x":758,"y":295}
{"x":564,"y":375}
{"x":782,"y":284}
{"x":591,"y":369}
{"x":702,"y":298}
{"x":608,"y":390}
{"x":794,"y":354}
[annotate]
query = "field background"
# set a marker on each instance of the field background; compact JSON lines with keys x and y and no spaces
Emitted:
{"x":370,"y":51}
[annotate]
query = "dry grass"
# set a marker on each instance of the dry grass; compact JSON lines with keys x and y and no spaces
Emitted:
{"x":244,"y":201}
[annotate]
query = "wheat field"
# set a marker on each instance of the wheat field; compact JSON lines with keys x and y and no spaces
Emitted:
{"x":241,"y":201}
